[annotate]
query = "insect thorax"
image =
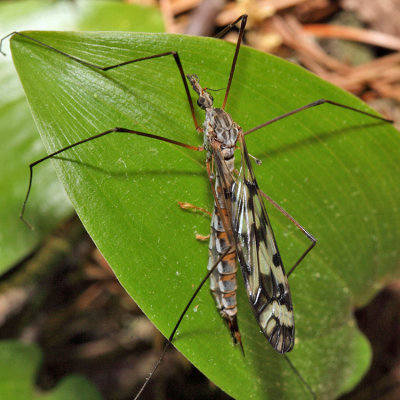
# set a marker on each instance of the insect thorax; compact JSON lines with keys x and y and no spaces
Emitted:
{"x":220,"y":127}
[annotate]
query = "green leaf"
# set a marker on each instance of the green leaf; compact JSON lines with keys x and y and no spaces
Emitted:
{"x":18,"y":365}
{"x":334,"y":170}
{"x":20,"y":143}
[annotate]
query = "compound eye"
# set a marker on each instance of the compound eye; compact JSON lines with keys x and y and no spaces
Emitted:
{"x":201,"y":101}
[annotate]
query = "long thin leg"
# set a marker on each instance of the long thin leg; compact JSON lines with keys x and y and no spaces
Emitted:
{"x":288,"y":114}
{"x":179,"y":322}
{"x":315,"y":104}
{"x":294,"y":369}
{"x":243,"y":18}
{"x":99,"y":135}
{"x":287,"y":215}
{"x":109,"y":67}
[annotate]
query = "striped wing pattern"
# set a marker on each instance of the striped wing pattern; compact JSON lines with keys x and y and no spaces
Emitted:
{"x":240,"y":223}
{"x":265,"y":279}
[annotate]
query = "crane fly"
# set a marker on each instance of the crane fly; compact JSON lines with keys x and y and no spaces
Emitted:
{"x":240,"y":227}
{"x":241,"y":232}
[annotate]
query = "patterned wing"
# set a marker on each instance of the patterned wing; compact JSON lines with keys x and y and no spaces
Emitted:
{"x":265,"y":279}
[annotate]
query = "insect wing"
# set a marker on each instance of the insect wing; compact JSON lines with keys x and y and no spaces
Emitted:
{"x":265,"y":279}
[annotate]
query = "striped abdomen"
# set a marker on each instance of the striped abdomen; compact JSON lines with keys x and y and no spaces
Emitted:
{"x":223,"y":283}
